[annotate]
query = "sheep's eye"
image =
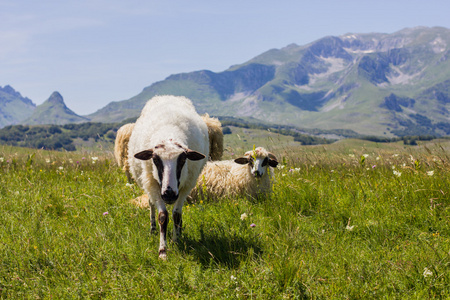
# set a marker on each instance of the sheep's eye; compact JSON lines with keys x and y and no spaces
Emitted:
{"x":251,"y":161}
{"x":265,"y":162}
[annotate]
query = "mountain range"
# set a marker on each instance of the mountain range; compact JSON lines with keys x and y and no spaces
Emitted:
{"x":373,"y":83}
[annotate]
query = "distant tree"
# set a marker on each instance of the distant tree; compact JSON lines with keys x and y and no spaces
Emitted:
{"x":54,"y":129}
{"x":111,"y":135}
{"x":226,"y":130}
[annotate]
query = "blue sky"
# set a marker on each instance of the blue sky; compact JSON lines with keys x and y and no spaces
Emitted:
{"x":98,"y":51}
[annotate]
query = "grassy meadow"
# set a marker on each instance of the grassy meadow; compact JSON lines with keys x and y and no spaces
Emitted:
{"x":349,"y":220}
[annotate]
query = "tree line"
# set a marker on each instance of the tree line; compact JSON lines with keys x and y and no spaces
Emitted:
{"x":56,"y":137}
{"x":61,"y":137}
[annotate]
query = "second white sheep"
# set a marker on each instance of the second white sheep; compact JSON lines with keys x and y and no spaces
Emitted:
{"x":245,"y":176}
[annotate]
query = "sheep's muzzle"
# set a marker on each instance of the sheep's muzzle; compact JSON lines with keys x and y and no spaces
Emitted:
{"x":169,"y":196}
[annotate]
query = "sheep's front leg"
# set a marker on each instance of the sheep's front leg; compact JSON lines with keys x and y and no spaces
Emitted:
{"x":152,"y":217}
{"x":163,"y":220}
{"x":177,"y":220}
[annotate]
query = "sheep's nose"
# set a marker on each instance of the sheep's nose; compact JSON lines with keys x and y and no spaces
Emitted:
{"x":169,"y":196}
{"x":257,"y":174}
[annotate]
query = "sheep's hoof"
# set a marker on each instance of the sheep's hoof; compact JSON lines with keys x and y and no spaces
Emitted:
{"x":162,"y":254}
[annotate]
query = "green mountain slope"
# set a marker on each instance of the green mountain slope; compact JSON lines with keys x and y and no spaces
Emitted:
{"x":355,"y":81}
{"x":13,"y":107}
{"x":53,"y":111}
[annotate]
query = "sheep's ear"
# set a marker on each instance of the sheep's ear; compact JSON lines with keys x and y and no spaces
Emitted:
{"x":242,"y":160}
{"x":272,"y":156}
{"x":144,"y":155}
{"x":194,"y":155}
{"x":273,"y":163}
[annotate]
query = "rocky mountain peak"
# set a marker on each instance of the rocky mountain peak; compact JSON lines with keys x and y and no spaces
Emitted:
{"x":56,"y":98}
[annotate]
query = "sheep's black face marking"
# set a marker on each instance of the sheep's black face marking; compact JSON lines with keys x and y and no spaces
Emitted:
{"x":265,"y":162}
{"x":180,"y":164}
{"x":159,"y":166}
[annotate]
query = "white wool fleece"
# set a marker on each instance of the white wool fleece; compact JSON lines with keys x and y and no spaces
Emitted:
{"x":167,"y":119}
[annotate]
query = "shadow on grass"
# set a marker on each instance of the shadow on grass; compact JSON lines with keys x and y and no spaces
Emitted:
{"x":217,"y":247}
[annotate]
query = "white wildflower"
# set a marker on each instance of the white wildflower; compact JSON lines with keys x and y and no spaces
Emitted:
{"x":349,"y":228}
{"x":47,"y":160}
{"x":395,"y":155}
{"x":397,"y":173}
{"x":378,"y":158}
{"x":128,"y":184}
{"x":2,"y":159}
{"x":280,"y":167}
{"x":16,"y":193}
{"x":233,"y":278}
{"x":427,"y":272}
{"x":61,"y":168}
{"x":94,"y":159}
{"x":243,"y":216}
{"x":351,"y":155}
{"x":366,"y":155}
{"x":430,"y":173}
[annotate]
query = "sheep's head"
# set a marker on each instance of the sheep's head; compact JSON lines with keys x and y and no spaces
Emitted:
{"x":169,"y":159}
{"x":258,"y":160}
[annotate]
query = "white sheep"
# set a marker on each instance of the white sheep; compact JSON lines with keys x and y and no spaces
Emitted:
{"x":121,"y":148}
{"x":167,"y":151}
{"x":244,"y":176}
{"x":123,"y":136}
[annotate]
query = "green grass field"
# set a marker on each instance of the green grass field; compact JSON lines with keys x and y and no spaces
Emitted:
{"x":350,"y":220}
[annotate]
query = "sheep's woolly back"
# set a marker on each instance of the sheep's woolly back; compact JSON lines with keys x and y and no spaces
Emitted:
{"x":121,"y":147}
{"x":163,"y":119}
{"x":215,"y":137}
